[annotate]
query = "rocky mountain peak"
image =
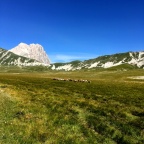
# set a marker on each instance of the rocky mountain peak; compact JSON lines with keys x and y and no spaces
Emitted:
{"x":32,"y":51}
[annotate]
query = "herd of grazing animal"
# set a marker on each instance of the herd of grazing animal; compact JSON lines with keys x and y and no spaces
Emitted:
{"x":73,"y":80}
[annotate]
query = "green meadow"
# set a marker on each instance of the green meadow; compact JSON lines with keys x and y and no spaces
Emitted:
{"x":35,"y":109}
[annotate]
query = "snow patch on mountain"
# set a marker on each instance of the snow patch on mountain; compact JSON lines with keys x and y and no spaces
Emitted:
{"x":93,"y":65}
{"x":137,"y":61}
{"x":65,"y":67}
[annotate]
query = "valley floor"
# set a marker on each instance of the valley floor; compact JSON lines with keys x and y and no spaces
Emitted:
{"x":36,"y":109}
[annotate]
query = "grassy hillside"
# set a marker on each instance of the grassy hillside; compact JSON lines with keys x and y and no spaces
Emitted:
{"x":128,"y":59}
{"x":36,"y":109}
{"x":123,"y":67}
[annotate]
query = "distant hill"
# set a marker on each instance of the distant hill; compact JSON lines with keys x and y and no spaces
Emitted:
{"x":120,"y":60}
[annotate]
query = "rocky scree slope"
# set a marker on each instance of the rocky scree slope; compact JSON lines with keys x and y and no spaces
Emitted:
{"x":32,"y":51}
{"x":131,"y":58}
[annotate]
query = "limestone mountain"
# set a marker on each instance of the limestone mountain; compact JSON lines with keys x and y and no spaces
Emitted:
{"x":8,"y":58}
{"x":32,"y":51}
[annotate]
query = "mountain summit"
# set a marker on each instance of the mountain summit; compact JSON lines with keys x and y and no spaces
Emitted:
{"x":32,"y":51}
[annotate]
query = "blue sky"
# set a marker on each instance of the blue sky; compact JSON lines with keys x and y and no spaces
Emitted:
{"x":73,"y":29}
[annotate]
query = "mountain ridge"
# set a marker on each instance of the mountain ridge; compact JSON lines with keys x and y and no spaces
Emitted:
{"x":130,"y":59}
{"x":106,"y":61}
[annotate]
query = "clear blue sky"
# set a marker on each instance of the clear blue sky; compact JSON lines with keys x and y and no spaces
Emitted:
{"x":73,"y":29}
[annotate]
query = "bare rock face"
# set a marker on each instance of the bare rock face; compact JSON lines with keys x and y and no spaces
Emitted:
{"x":33,"y":51}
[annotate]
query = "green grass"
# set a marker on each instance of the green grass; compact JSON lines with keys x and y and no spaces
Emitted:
{"x":123,"y":67}
{"x":36,"y":109}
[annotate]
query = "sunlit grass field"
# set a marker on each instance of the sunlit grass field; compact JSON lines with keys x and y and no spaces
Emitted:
{"x":35,"y":109}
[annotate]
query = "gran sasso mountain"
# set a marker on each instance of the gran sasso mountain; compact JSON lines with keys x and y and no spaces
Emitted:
{"x":134,"y":59}
{"x":32,"y":51}
{"x":8,"y":58}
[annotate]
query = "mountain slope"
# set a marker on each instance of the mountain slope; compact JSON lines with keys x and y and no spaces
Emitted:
{"x":127,"y":60}
{"x":130,"y":58}
{"x":32,"y":51}
{"x":10,"y":59}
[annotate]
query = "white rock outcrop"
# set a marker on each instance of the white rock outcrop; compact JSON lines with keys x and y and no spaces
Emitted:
{"x":32,"y":51}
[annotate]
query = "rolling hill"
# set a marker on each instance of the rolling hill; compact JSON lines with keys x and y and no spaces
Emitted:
{"x":131,"y":59}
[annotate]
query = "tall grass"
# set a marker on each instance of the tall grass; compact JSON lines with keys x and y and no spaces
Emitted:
{"x":36,"y":109}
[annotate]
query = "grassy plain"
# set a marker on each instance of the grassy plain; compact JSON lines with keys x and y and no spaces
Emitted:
{"x":34,"y":109}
